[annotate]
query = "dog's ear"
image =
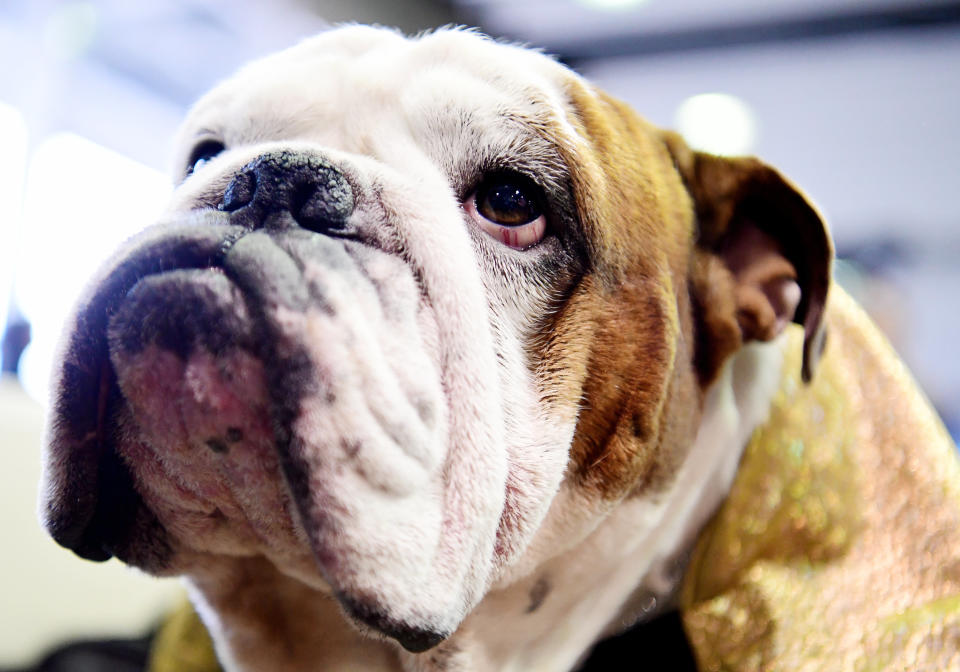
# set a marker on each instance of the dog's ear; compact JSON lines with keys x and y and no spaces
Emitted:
{"x":763,"y":256}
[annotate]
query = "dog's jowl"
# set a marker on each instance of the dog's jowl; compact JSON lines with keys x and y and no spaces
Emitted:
{"x":442,"y":359}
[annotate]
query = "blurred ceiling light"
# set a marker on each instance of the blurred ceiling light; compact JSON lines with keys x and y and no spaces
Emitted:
{"x":13,"y":161}
{"x":612,"y":5}
{"x":70,"y":29}
{"x":81,"y":201}
{"x":717,"y":123}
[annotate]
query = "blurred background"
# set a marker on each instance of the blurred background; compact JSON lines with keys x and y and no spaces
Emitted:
{"x":858,"y":101}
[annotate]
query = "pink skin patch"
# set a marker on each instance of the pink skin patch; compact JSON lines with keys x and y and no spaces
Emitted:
{"x":204,"y":454}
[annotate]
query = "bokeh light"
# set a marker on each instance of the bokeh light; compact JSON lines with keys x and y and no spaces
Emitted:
{"x":82,"y":200}
{"x":718,"y":123}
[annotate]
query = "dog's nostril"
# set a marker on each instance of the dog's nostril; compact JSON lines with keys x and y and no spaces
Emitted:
{"x":239,"y":192}
{"x":322,"y":207}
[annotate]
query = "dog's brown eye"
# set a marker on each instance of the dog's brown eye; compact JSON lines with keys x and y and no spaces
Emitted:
{"x":508,"y":200}
{"x":202,"y":153}
{"x":509,"y":207}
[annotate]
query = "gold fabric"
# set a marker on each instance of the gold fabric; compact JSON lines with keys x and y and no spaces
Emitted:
{"x":182,"y":645}
{"x":839,"y":546}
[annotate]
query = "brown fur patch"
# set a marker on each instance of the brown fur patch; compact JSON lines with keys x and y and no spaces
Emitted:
{"x":622,"y":398}
{"x":616,"y":342}
{"x":648,"y":329}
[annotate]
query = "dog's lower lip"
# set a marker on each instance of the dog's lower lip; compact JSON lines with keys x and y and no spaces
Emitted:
{"x":413,"y":639}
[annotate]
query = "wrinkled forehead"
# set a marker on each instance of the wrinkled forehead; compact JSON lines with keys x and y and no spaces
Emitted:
{"x":360,"y":89}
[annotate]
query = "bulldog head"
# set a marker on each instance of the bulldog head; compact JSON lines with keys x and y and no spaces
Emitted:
{"x":410,"y":296}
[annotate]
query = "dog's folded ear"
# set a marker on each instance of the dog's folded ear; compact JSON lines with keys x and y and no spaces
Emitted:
{"x":763,"y":256}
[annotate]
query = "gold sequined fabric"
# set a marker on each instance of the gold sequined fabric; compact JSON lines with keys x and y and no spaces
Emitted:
{"x":839,"y":545}
{"x":182,"y":644}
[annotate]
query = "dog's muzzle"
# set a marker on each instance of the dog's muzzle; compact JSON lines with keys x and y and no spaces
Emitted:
{"x":227,"y":372}
{"x":179,"y":287}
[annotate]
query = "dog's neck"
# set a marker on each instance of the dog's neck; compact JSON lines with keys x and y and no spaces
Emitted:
{"x":626,"y":570}
{"x":631,"y":566}
{"x":261,"y":619}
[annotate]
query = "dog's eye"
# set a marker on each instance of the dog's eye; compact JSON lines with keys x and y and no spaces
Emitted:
{"x":202,"y":153}
{"x":509,"y":207}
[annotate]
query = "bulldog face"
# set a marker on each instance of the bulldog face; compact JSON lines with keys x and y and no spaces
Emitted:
{"x":410,"y":296}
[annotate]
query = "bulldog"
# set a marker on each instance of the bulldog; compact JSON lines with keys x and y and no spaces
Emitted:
{"x":442,"y":359}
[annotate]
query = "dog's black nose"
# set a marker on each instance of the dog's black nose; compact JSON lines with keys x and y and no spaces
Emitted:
{"x":311,"y":190}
